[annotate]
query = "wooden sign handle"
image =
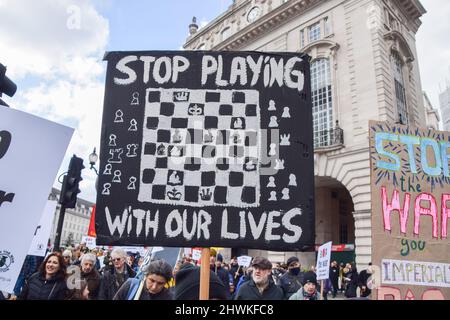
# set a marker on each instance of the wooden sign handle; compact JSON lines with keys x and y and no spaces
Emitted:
{"x":321,"y":289}
{"x":204,"y":274}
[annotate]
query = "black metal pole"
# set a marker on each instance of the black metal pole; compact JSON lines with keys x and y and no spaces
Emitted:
{"x":62,"y":213}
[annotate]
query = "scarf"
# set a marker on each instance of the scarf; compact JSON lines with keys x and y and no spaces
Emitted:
{"x":307,"y":296}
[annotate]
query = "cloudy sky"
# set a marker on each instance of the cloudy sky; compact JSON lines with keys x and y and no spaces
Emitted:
{"x":54,"y":48}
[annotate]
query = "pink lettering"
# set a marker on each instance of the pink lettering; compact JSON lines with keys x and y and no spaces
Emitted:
{"x":432,"y":211}
{"x":388,"y":293}
{"x":395,"y":205}
{"x":445,"y":215}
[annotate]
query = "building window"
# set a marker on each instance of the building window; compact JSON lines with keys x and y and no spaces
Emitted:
{"x":302,"y":38}
{"x":400,"y":92}
{"x":327,"y":23}
{"x":314,"y":32}
{"x":226,"y":33}
{"x":322,"y":103}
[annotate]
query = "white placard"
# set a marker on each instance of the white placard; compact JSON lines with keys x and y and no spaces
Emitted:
{"x":42,"y":233}
{"x":244,"y":261}
{"x":323,"y":261}
{"x":196,"y":254}
{"x":89,"y":241}
{"x":415,"y":273}
{"x":31,"y":152}
{"x":157,"y":249}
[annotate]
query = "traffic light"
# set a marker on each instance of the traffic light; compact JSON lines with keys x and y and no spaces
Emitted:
{"x":70,"y":190}
{"x":6,"y":85}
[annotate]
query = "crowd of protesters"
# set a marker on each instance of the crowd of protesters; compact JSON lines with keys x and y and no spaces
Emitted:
{"x":82,"y":274}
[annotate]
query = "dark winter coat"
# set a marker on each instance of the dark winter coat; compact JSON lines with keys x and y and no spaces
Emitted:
{"x":362,"y":281}
{"x":290,"y":283}
{"x":334,"y":277}
{"x":38,"y":288}
{"x":110,"y":283}
{"x":123,"y":293}
{"x":93,"y":282}
{"x":249,"y":291}
{"x":224,"y":276}
{"x":352,"y":284}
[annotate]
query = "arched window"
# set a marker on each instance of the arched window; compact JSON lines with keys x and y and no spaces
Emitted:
{"x":322,"y":102}
{"x":400,"y":93}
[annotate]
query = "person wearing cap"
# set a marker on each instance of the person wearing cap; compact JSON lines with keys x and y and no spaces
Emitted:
{"x":187,"y":284}
{"x":292,"y":280}
{"x":157,"y":274}
{"x":261,"y":286}
{"x":308,"y":291}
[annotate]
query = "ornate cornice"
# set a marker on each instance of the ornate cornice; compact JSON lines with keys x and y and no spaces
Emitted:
{"x":398,"y":43}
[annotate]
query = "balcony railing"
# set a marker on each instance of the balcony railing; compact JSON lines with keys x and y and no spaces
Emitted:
{"x":329,"y":138}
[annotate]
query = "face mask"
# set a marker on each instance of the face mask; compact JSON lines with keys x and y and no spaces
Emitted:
{"x":295,"y":271}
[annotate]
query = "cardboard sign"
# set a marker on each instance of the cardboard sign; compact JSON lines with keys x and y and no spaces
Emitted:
{"x":207,"y":148}
{"x":244,"y":261}
{"x":410,"y":184}
{"x":323,"y":261}
{"x":31,"y":152}
{"x":89,"y":241}
{"x":196,"y":254}
{"x":42,"y":234}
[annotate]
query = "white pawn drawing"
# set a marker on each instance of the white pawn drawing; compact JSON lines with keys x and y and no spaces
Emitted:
{"x":271,"y":183}
{"x":272,"y":106}
{"x":119,"y":116}
{"x":272,"y":151}
{"x":135,"y":100}
{"x":132,"y":184}
{"x":285,"y":193}
{"x":273,"y":196}
{"x":273,"y":122}
{"x":112,"y":140}
{"x":117,"y":175}
{"x":133,"y":125}
{"x":286,"y":113}
{"x":292,"y":180}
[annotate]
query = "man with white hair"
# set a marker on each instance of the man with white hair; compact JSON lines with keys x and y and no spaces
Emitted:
{"x":114,"y":278}
{"x":90,"y":274}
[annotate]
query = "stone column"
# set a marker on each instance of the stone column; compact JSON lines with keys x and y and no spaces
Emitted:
{"x":363,"y":238}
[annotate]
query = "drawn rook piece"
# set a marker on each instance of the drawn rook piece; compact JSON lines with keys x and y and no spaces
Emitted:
{"x":132,"y":184}
{"x":174,"y":194}
{"x":112,"y":140}
{"x":272,"y":106}
{"x":108,"y":168}
{"x":285,"y":193}
{"x":115,"y":155}
{"x":132,"y":150}
{"x":285,"y":140}
{"x":205,"y":194}
{"x":272,"y":151}
{"x":273,"y":196}
{"x":271,"y":183}
{"x":273,"y":122}
{"x":135,"y":100}
{"x":292,"y":180}
{"x":117,"y":175}
{"x":286,"y":113}
{"x":161,"y":150}
{"x":119,"y":116}
{"x":177,"y":138}
{"x":106,"y":191}
{"x":180,"y":96}
{"x":279,"y":164}
{"x":133,"y":125}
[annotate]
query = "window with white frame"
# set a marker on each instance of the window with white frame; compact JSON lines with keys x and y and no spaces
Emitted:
{"x":400,"y":92}
{"x":322,"y":102}
{"x":314,"y":32}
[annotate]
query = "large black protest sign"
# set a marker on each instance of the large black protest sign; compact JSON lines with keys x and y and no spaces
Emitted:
{"x":206,"y":149}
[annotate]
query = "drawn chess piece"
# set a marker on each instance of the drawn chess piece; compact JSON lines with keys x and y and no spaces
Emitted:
{"x":285,"y":193}
{"x":133,"y":125}
{"x":205,"y":194}
{"x":135,"y":100}
{"x":119,"y":116}
{"x":286,"y":113}
{"x":279,"y":164}
{"x":273,"y":122}
{"x":108,"y":169}
{"x":132,"y":150}
{"x":273,"y":196}
{"x":271,"y":183}
{"x":272,"y":106}
{"x":117,"y":175}
{"x":106,"y":191}
{"x":292,"y":180}
{"x":174,"y":194}
{"x":236,"y":138}
{"x":237,"y":123}
{"x":132,"y":184}
{"x":208,"y":138}
{"x":177,"y":138}
{"x":181,"y":96}
{"x":115,"y":155}
{"x":175,"y":152}
{"x":195,"y":109}
{"x":285,"y":140}
{"x":250,"y":166}
{"x":161,"y":151}
{"x":272,"y":151}
{"x":174,"y":178}
{"x":112,"y":140}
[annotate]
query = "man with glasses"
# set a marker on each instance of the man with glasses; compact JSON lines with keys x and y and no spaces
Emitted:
{"x":157,"y":274}
{"x":115,"y":277}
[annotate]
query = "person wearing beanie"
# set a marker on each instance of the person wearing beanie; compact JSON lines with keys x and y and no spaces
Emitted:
{"x":261,"y":285}
{"x":291,"y":281}
{"x":223,"y":274}
{"x":187,"y":284}
{"x":157,"y":274}
{"x":308,"y":291}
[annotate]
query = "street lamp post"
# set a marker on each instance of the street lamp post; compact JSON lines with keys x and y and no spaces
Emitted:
{"x":93,"y":158}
